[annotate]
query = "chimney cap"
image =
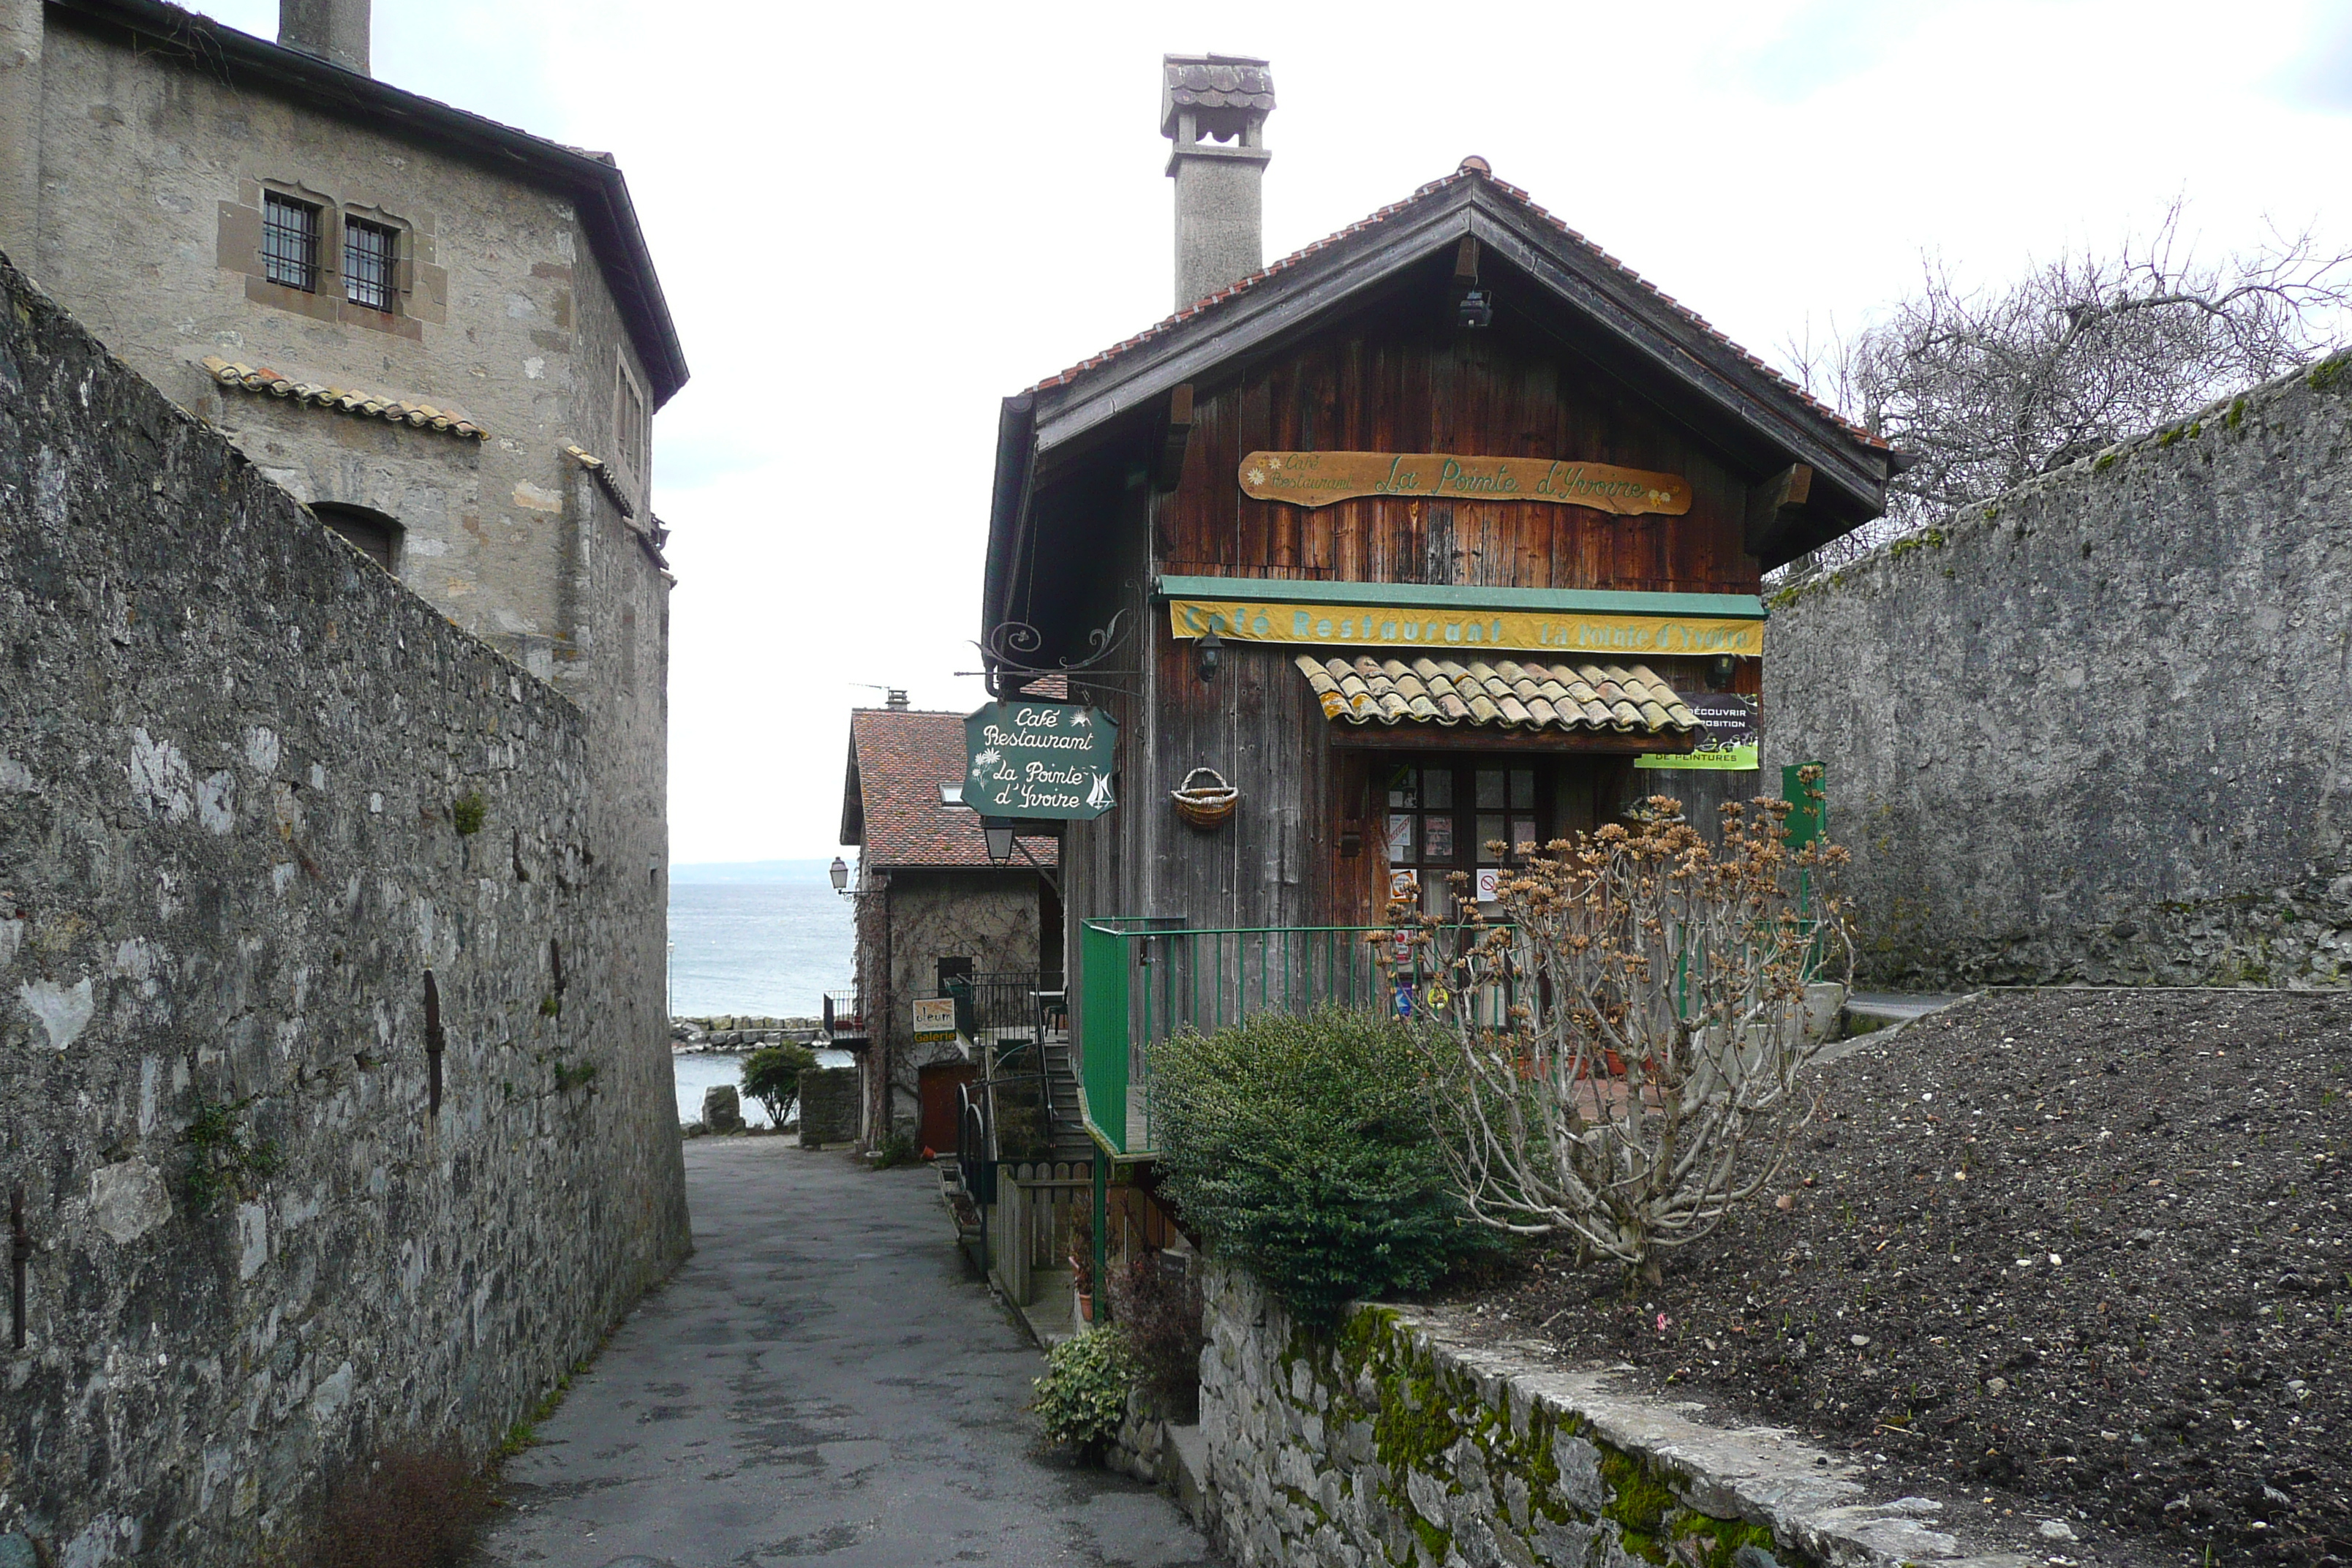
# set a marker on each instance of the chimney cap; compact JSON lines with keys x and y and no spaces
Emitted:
{"x":1240,"y":83}
{"x":1474,"y":164}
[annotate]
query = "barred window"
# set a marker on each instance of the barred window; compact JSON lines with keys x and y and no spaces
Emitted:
{"x":371,"y":253}
{"x":289,"y":242}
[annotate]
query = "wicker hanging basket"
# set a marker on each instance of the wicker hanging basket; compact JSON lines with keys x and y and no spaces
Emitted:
{"x":1204,"y":799}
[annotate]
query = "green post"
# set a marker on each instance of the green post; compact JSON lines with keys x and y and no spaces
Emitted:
{"x":1102,"y":1239}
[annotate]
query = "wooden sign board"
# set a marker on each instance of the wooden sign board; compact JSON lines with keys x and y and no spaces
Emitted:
{"x":1319,"y":478}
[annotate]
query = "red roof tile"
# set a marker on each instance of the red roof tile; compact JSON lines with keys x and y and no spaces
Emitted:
{"x":1471,"y":169}
{"x":898,"y":758}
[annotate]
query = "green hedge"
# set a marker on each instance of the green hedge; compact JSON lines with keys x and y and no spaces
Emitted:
{"x":1301,"y":1147}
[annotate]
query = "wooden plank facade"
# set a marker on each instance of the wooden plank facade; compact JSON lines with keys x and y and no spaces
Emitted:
{"x":1124,"y":473}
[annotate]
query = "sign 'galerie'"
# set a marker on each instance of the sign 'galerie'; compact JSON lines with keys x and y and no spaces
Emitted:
{"x":1040,"y":759}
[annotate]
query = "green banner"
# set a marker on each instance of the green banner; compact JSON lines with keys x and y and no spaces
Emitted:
{"x":1051,"y":760}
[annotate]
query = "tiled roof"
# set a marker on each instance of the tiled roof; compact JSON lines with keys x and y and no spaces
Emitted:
{"x":1505,"y":694}
{"x":898,"y":758}
{"x":1471,"y":169}
{"x":603,"y":470}
{"x":364,"y":405}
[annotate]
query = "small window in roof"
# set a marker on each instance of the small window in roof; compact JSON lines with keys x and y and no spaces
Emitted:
{"x":952,"y":795}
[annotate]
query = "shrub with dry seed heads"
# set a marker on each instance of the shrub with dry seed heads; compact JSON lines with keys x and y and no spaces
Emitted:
{"x":1620,"y":1059}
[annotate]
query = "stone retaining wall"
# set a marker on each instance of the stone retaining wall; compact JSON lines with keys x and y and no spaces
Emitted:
{"x":2099,"y":729}
{"x":1399,"y":1441}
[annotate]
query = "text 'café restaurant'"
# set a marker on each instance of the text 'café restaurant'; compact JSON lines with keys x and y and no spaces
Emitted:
{"x":1446,"y":531}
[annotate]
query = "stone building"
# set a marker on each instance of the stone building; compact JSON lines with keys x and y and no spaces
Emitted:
{"x":333,"y":870}
{"x":428,"y":326}
{"x":936,"y":917}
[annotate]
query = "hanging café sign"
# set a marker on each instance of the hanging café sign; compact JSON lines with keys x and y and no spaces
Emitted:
{"x":1321,"y":479}
{"x":1050,"y":759}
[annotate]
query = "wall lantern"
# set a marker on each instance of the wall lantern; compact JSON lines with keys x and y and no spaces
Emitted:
{"x":1719,"y":671}
{"x":840,"y":874}
{"x":997,"y":832}
{"x":1212,"y":653}
{"x":1478,"y":308}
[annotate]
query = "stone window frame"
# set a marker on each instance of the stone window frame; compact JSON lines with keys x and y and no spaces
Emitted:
{"x":420,"y":287}
{"x":633,"y":447}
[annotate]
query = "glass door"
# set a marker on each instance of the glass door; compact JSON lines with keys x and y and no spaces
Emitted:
{"x":1447,"y":816}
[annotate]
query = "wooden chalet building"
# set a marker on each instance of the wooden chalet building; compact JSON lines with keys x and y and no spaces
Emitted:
{"x":1425,"y":537}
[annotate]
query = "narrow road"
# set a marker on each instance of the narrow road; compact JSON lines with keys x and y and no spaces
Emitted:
{"x":822,"y":1379}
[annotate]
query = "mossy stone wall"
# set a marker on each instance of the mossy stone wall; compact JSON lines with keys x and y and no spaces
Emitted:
{"x":1370,"y":1446}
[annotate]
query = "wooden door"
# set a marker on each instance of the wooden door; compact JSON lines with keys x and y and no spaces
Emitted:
{"x":938,"y":1086}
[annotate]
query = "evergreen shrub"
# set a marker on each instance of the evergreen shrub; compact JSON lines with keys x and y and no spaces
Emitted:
{"x":771,"y":1074}
{"x":1083,"y":1396}
{"x":1301,"y":1148}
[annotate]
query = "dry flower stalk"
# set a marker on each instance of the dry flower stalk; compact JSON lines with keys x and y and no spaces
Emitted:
{"x":1622,"y":1063}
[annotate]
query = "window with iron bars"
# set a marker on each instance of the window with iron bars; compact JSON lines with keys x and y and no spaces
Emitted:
{"x":289,"y":242}
{"x":371,"y":259}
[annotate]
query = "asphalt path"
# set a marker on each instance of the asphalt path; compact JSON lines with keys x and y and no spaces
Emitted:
{"x":824,"y":1379}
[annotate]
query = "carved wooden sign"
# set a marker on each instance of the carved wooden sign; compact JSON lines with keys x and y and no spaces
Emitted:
{"x":1319,"y":478}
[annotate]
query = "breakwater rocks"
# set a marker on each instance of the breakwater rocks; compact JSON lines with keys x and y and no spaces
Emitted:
{"x":734,"y":1032}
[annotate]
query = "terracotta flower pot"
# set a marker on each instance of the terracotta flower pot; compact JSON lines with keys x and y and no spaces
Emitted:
{"x":1085,"y":1307}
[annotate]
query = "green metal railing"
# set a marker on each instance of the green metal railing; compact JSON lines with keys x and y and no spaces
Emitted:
{"x":1142,"y":979}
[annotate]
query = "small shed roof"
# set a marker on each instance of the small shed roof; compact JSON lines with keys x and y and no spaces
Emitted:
{"x":1507,"y":694}
{"x":891,"y":806}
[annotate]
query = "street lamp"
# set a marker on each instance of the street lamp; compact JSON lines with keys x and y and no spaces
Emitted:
{"x":997,"y":832}
{"x":840,"y":874}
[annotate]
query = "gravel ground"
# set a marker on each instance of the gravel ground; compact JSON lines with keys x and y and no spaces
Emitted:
{"x":2083,"y":1254}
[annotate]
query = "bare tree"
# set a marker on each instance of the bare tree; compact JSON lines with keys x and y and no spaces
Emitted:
{"x":1620,"y":1063}
{"x":1985,"y":389}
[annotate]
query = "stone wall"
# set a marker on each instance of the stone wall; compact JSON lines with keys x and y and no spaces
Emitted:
{"x":828,"y":1106}
{"x":253,"y":794}
{"x":2100,"y":728}
{"x":1400,"y":1439}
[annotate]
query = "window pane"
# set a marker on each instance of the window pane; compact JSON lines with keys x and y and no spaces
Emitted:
{"x":369,"y":252}
{"x":1523,"y":789}
{"x":1401,"y":838}
{"x":1437,"y":788}
{"x":1437,"y":840}
{"x":289,"y":242}
{"x":1523,"y":831}
{"x":1490,"y":789}
{"x":1401,"y":790}
{"x":1490,"y":831}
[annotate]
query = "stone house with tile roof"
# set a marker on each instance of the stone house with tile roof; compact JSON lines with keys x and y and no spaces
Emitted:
{"x":443,"y":334}
{"x":1441,"y":537}
{"x":932,"y":906}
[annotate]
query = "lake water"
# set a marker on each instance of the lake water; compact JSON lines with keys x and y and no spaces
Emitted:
{"x":768,"y":941}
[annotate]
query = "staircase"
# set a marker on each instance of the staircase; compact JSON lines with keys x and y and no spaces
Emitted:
{"x":1070,"y":1140}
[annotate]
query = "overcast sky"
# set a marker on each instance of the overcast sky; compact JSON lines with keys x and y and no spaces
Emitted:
{"x":874,"y":222}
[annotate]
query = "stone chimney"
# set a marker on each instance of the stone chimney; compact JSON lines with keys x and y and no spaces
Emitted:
{"x":334,"y":30}
{"x":1213,"y":109}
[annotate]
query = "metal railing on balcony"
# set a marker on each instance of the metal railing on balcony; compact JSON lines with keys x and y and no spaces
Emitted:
{"x":1143,"y":979}
{"x":844,"y":1015}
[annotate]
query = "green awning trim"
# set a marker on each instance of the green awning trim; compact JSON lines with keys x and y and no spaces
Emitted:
{"x":1430,"y":596}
